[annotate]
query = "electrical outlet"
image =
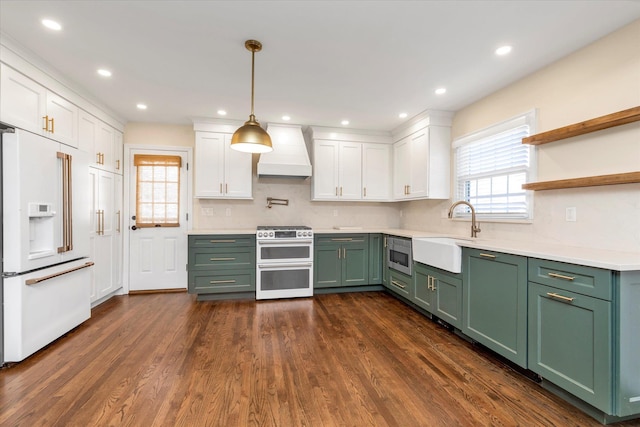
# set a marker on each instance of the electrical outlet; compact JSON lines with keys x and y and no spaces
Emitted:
{"x":227,"y":211}
{"x":207,"y":211}
{"x":571,"y":214}
{"x":335,"y":212}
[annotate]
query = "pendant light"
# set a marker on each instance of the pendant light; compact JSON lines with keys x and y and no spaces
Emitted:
{"x":251,"y":138}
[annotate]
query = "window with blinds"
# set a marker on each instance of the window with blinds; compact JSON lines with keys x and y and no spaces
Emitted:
{"x":157,"y":190}
{"x":491,"y":166}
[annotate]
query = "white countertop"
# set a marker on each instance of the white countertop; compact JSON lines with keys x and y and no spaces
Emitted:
{"x":593,"y":257}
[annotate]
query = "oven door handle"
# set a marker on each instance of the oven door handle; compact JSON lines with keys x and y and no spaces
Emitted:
{"x":284,"y":242}
{"x":266,"y":266}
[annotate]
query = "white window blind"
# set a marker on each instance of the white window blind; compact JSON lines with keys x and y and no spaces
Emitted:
{"x":491,"y":166}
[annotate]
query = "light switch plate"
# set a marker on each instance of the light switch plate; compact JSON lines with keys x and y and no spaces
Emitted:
{"x":570,"y":214}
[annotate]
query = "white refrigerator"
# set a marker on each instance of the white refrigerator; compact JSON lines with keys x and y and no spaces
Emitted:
{"x":45,"y":242}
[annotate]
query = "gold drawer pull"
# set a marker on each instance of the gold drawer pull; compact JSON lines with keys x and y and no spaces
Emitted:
{"x":222,"y":241}
{"x":217,"y":282}
{"x":345,"y":239}
{"x":487,"y":256}
{"x":222,"y":259}
{"x":399,"y":285}
{"x":560,"y":297}
{"x":560,"y":276}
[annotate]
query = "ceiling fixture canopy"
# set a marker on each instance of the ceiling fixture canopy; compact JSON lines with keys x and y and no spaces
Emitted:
{"x":250,"y":137}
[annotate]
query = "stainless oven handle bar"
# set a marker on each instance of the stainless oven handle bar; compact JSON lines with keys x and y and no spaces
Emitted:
{"x":283,"y":241}
{"x":62,"y":273}
{"x":305,"y":264}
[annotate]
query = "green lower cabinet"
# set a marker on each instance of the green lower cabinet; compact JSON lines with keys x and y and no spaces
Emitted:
{"x":341,"y":260}
{"x":570,"y":343}
{"x":439,"y":292}
{"x":495,"y":302}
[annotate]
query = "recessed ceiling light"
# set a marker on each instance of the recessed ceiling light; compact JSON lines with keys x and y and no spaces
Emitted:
{"x":441,"y":91}
{"x":222,"y":113}
{"x":52,"y":25}
{"x":286,"y":118}
{"x":402,"y":115}
{"x":503,"y":50}
{"x":141,"y":106}
{"x":344,"y":122}
{"x":104,"y":73}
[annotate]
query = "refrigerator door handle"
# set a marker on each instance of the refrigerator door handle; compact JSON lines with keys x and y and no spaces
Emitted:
{"x":51,"y":276}
{"x":67,"y":203}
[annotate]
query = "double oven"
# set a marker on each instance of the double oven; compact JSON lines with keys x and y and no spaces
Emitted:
{"x":284,"y":267}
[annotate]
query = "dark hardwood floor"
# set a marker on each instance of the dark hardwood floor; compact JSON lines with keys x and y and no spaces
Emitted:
{"x":334,"y":360}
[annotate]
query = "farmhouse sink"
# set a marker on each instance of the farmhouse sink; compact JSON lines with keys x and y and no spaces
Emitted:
{"x":439,"y":252}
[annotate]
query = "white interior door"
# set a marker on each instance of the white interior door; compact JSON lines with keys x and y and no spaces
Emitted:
{"x":157,"y":249}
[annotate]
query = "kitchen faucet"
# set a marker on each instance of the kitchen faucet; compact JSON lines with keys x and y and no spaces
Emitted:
{"x":475,"y":228}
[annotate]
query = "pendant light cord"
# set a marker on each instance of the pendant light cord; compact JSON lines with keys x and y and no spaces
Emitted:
{"x":253,"y":55}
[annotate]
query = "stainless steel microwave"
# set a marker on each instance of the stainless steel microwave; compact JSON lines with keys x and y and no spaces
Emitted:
{"x":399,"y":255}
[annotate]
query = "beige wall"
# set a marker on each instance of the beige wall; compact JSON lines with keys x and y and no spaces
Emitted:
{"x":597,"y":80}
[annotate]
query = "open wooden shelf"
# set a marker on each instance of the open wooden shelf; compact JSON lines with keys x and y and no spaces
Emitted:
{"x":591,"y":181}
{"x":599,"y":123}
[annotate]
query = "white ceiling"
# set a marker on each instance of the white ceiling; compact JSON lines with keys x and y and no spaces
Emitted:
{"x":322,"y":61}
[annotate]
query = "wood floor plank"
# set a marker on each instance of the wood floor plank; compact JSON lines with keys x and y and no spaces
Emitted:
{"x":361,"y":359}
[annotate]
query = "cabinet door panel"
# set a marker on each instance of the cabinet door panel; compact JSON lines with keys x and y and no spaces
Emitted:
{"x":325,"y":170}
{"x":355,"y":265}
{"x":237,"y":171}
{"x":209,"y":164}
{"x":419,"y":171}
{"x":401,"y":165}
{"x":350,"y":171}
{"x":495,"y":302}
{"x":64,"y":116}
{"x":327,"y":266}
{"x":23,"y":101}
{"x":376,"y":171}
{"x":423,"y":295}
{"x":447,"y":298}
{"x":570,"y":343}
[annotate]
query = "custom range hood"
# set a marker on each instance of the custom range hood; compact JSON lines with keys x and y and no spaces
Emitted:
{"x":289,"y":157}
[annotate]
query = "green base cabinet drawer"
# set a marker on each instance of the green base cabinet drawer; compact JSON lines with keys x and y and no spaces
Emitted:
{"x":570,"y":343}
{"x":222,"y":240}
{"x":401,"y":284}
{"x":227,"y":258}
{"x":595,"y":282}
{"x":208,"y":282}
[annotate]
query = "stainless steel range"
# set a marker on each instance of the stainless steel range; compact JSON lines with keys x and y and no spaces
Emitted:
{"x":284,"y":262}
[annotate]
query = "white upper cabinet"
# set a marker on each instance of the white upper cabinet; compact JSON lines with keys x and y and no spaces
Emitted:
{"x":376,"y":172}
{"x":221,"y":172}
{"x":422,"y":159}
{"x":28,"y":105}
{"x":349,"y":167}
{"x":102,"y":142}
{"x":338,"y":170}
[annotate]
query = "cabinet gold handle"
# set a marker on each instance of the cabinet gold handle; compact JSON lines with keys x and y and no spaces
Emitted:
{"x":399,"y":285}
{"x":488,"y":256}
{"x":222,"y":241}
{"x":560,"y":276}
{"x":226,"y":189}
{"x":336,"y":191}
{"x":339,"y":256}
{"x":385,"y":242}
{"x":433,"y":283}
{"x":217,"y":282}
{"x":52,"y":124}
{"x":117,"y":164}
{"x":118,"y":223}
{"x":344,"y":253}
{"x":340,"y":191}
{"x":46,"y":123}
{"x":560,"y":297}
{"x":365,"y":192}
{"x":342,"y":239}
{"x":222,"y":259}
{"x":408,"y":189}
{"x":220,"y":188}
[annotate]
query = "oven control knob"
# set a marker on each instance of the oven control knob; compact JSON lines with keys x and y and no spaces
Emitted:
{"x":271,"y":234}
{"x":260,"y":234}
